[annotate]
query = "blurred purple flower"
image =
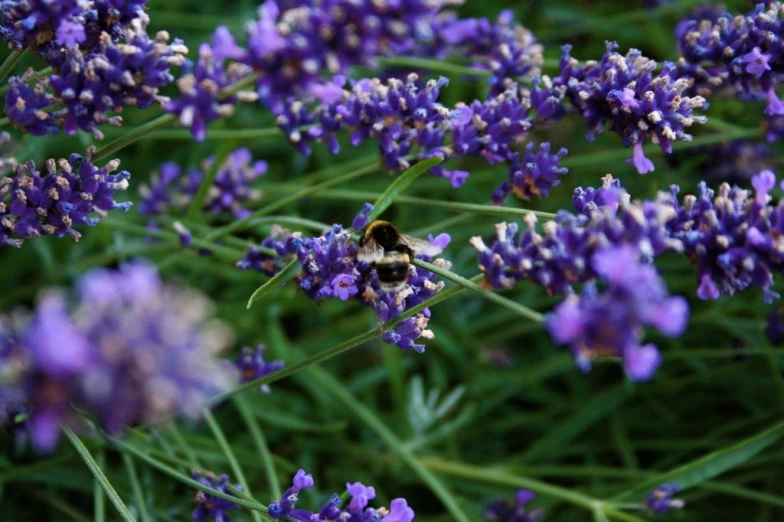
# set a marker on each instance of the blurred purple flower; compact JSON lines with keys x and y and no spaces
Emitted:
{"x":208,"y":506}
{"x":660,"y":500}
{"x":252,"y":365}
{"x":503,"y":511}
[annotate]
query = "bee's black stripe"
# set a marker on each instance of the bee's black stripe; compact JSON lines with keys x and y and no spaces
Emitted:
{"x":394,"y":272}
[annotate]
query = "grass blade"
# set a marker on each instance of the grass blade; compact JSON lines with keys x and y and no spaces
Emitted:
{"x":709,"y":466}
{"x":289,"y":272}
{"x":261,"y":444}
{"x":138,"y":494}
{"x":99,"y":475}
{"x":400,"y":184}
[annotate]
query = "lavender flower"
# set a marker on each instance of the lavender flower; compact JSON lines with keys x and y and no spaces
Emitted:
{"x":252,"y":365}
{"x":200,"y":85}
{"x":356,"y":510}
{"x":503,"y":511}
{"x":113,"y":76}
{"x":208,"y":506}
{"x":508,"y":50}
{"x":622,"y":90}
{"x":748,"y":48}
{"x":660,"y":500}
{"x":26,"y":108}
{"x":611,"y":323}
{"x":33,"y":205}
{"x":33,"y":23}
{"x":290,"y":48}
{"x":131,"y":350}
{"x":260,"y":258}
{"x":533,"y":175}
{"x":171,"y":191}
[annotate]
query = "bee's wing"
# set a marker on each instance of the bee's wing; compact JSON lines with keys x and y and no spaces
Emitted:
{"x":421,"y":247}
{"x":370,"y":252}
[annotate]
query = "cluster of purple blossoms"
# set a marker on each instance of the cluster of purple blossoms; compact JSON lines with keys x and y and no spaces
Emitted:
{"x":208,"y":506}
{"x":356,"y":510}
{"x":610,"y":323}
{"x":258,"y":258}
{"x":503,"y":511}
{"x":330,"y":270}
{"x":131,"y":350}
{"x":506,"y":49}
{"x":201,"y":84}
{"x":745,"y":51}
{"x":114,"y":75}
{"x":73,"y":192}
{"x":252,"y":365}
{"x":624,"y":92}
{"x":26,"y":107}
{"x":409,"y":121}
{"x":291,"y":48}
{"x":48,"y":26}
{"x":732,"y":236}
{"x":660,"y":500}
{"x":171,"y":190}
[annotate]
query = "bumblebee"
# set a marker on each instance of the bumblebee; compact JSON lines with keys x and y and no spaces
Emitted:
{"x":390,"y":253}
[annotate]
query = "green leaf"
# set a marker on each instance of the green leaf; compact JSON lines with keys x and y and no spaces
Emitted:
{"x":709,"y":466}
{"x":566,"y":431}
{"x":289,"y":272}
{"x":99,"y":476}
{"x":399,"y":185}
{"x":261,"y":445}
{"x":195,"y":207}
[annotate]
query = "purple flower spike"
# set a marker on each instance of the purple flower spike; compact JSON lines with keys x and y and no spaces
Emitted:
{"x":361,"y":219}
{"x":252,"y":365}
{"x":25,"y":108}
{"x":209,"y":506}
{"x":503,"y":511}
{"x":532,"y":175}
{"x":660,"y":500}
{"x":611,"y":323}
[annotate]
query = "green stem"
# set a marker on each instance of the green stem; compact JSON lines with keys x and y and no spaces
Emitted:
{"x":217,"y":432}
{"x":261,"y":444}
{"x":263,"y":133}
{"x":144,"y":515}
{"x":241,"y":224}
{"x":340,"y":348}
{"x":98,"y":474}
{"x":127,"y":448}
{"x":99,"y":499}
{"x":10,"y":61}
{"x":329,"y":384}
{"x":519,"y":309}
{"x":495,"y":476}
{"x":39,"y":74}
{"x":193,"y":460}
{"x":454,"y":206}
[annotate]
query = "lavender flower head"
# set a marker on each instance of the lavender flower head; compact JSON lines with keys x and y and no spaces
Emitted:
{"x":130,"y":350}
{"x":533,"y":174}
{"x":356,"y":510}
{"x":272,"y":254}
{"x":252,"y":366}
{"x":114,"y":75}
{"x":503,"y":511}
{"x":623,"y":91}
{"x":26,"y":107}
{"x":72,"y":193}
{"x":611,"y":323}
{"x":170,"y":190}
{"x":660,"y":500}
{"x":208,"y":506}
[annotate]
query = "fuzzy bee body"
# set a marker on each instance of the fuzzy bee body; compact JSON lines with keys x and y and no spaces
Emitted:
{"x":390,"y":253}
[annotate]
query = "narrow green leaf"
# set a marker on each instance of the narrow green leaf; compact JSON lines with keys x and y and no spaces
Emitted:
{"x":400,"y":184}
{"x":261,"y":445}
{"x":569,"y":429}
{"x":338,"y":349}
{"x":332,"y":386}
{"x":289,"y":272}
{"x":10,"y":61}
{"x":217,"y":432}
{"x":523,"y":311}
{"x":709,"y":466}
{"x":127,"y":448}
{"x":99,"y":499}
{"x":504,"y":478}
{"x":98,"y":474}
{"x":133,"y":135}
{"x":138,"y":494}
